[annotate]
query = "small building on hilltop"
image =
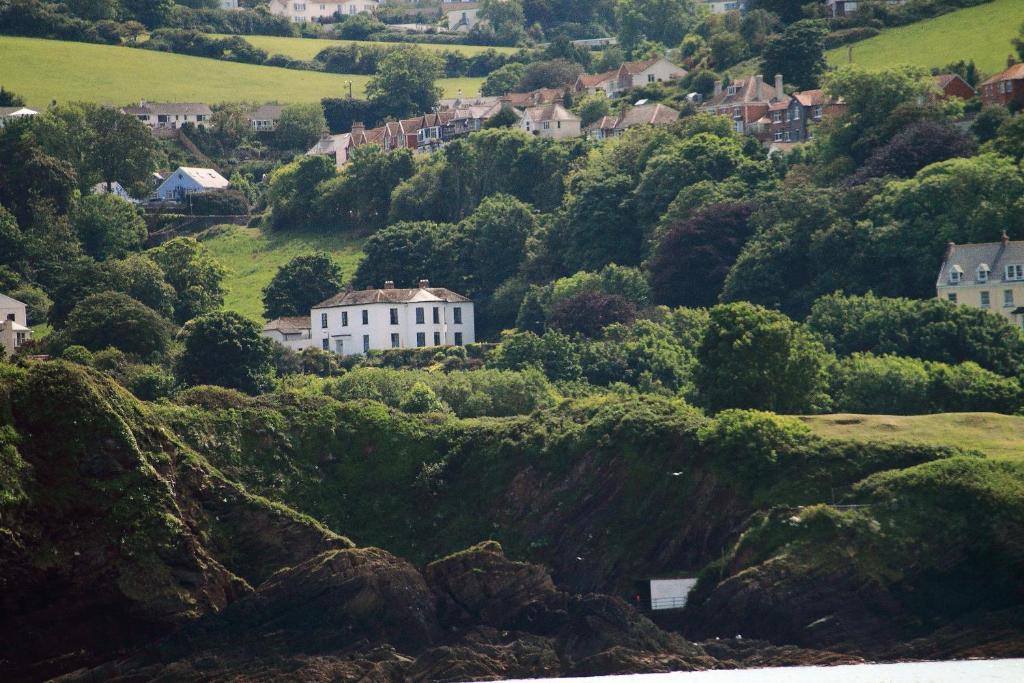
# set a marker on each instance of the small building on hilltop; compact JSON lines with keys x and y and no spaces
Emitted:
{"x":335,"y":146}
{"x":14,"y":330}
{"x":461,"y":16}
{"x":953,"y":85}
{"x":188,"y":180}
{"x":359,"y":321}
{"x":987,"y":275}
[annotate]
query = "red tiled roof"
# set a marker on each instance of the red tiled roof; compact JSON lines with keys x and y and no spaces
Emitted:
{"x":1014,"y":73}
{"x":591,"y":80}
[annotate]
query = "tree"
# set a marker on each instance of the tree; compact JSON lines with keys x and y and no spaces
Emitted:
{"x":920,"y":144}
{"x":300,"y":284}
{"x":404,"y":84}
{"x":228,"y":350}
{"x":503,"y":80}
{"x":789,"y":11}
{"x":505,"y":118}
{"x":556,"y":73}
{"x":10,"y":99}
{"x":495,"y":235}
{"x":752,"y":357}
{"x":115,"y":319}
{"x":407,"y":252}
{"x":141,"y":278}
{"x":1009,"y":139}
{"x":987,"y":122}
{"x":193,"y":273}
{"x":420,"y":398}
{"x":591,"y":108}
{"x":29,"y":176}
{"x":663,"y":21}
{"x":798,"y":53}
{"x":588,"y":313}
{"x":506,"y":18}
{"x":37,"y":303}
{"x":691,"y":261}
{"x":108,"y":226}
{"x":122,"y":148}
{"x":300,"y":126}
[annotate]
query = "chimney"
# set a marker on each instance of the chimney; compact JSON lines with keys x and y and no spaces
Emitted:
{"x":424,"y":284}
{"x":389,"y":284}
{"x":779,"y":92}
{"x":357,"y":127}
{"x":1006,"y":238}
{"x":718,"y":88}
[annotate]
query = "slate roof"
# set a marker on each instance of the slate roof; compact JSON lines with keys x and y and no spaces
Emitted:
{"x":1014,"y":73}
{"x":8,"y":301}
{"x":172,"y":108}
{"x":268,"y":112}
{"x":746,"y":92}
{"x":550,"y":112}
{"x":206,"y":177}
{"x":968,"y":257}
{"x":534,"y":97}
{"x":362,"y":297}
{"x":289,"y":325}
{"x":329,"y":144}
{"x":645,"y":114}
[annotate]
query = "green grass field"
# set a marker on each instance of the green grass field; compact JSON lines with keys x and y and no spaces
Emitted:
{"x":981,"y":33}
{"x":998,"y":436}
{"x":252,"y":258}
{"x":307,"y":48}
{"x":45,"y":70}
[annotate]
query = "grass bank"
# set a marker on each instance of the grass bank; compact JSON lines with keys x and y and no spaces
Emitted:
{"x":307,"y":48}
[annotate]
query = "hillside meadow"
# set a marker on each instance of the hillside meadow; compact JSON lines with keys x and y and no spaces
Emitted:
{"x":252,"y":257}
{"x":307,"y":48}
{"x":982,"y":33}
{"x":45,"y":70}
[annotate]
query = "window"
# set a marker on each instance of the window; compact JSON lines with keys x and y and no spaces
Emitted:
{"x":457,"y":315}
{"x":421,"y":339}
{"x":983,"y":272}
{"x":458,"y":339}
{"x":395,"y":341}
{"x":955,"y":273}
{"x":1007,"y":297}
{"x":419,"y":316}
{"x":547,"y":125}
{"x":299,"y":6}
{"x":796,"y":114}
{"x":344,"y":318}
{"x":650,"y":78}
{"x":817,"y":111}
{"x":10,"y":316}
{"x":952,"y":296}
{"x":778,"y":136}
{"x":19,"y":338}
{"x":325,"y":343}
{"x":366,"y":317}
{"x":366,"y":343}
{"x":437,"y":339}
{"x":394,"y":316}
{"x":1015,"y":272}
{"x":437,"y":315}
{"x":985,"y":300}
{"x":777,"y":116}
{"x":323,"y":321}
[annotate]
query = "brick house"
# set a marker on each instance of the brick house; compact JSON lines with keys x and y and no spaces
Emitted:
{"x":748,"y":103}
{"x":1004,"y":88}
{"x":952,"y":85}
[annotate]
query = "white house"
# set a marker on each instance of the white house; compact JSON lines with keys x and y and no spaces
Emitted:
{"x":461,"y":16}
{"x":336,"y":146}
{"x":302,"y":12}
{"x":988,"y":275}
{"x":550,"y":121}
{"x":265,"y":118}
{"x":723,"y":6}
{"x":637,"y":74}
{"x":15,"y":113}
{"x":14,"y":330}
{"x":170,"y":114}
{"x":116,"y":189}
{"x":292,"y":332}
{"x":372,"y":319}
{"x":187,"y":180}
{"x":229,"y":4}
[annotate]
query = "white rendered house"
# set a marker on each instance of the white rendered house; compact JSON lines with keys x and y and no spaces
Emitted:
{"x":187,"y":180}
{"x":291,"y":332}
{"x":365,"y":320}
{"x":14,"y":330}
{"x":305,"y":11}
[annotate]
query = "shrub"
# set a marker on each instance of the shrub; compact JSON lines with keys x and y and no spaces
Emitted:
{"x":421,"y":399}
{"x":226,"y":202}
{"x":751,"y":442}
{"x":890,"y":385}
{"x":117,"y":320}
{"x":211,"y":397}
{"x":78,"y":354}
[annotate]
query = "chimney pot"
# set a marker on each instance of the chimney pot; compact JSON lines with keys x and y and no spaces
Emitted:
{"x":389,"y":284}
{"x":358,"y":127}
{"x":1006,"y":238}
{"x":779,"y":92}
{"x":424,"y":284}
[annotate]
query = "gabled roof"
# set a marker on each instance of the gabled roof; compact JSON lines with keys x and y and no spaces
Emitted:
{"x":593,"y":80}
{"x":330,"y":144}
{"x":634,"y":68}
{"x":645,"y":114}
{"x":746,"y":92}
{"x":1014,"y":73}
{"x":204,"y":177}
{"x":534,"y":97}
{"x":550,"y":112}
{"x":172,"y":108}
{"x":969,"y":256}
{"x":268,"y":112}
{"x":363,"y":297}
{"x":288,"y":325}
{"x":8,"y":301}
{"x":16,"y":111}
{"x":811,"y":98}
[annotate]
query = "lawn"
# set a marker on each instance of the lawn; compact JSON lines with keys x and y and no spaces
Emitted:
{"x":45,"y":70}
{"x":252,"y":257}
{"x":981,"y":33}
{"x":307,"y":48}
{"x":998,"y":436}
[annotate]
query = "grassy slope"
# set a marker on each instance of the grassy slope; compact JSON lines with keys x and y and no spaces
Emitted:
{"x":43,"y":70}
{"x":252,"y":258}
{"x":307,"y":48}
{"x":998,"y":436}
{"x":980,"y":33}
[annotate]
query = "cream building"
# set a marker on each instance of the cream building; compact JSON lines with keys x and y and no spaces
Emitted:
{"x":988,"y":276}
{"x":14,"y":330}
{"x":550,"y":121}
{"x":302,"y":12}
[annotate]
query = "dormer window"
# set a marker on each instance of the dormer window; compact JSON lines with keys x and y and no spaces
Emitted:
{"x":731,"y":90}
{"x":956,"y":274}
{"x":1015,"y":271}
{"x":983,"y":271}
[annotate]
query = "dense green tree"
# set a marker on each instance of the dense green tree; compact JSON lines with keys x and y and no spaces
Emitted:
{"x":195,"y":275}
{"x":503,"y":80}
{"x":294,"y":193}
{"x":404,"y":84}
{"x":752,"y":357}
{"x":10,"y":99}
{"x":1009,"y":139}
{"x":420,"y":398}
{"x":588,"y":313}
{"x":115,"y":319}
{"x":663,"y":21}
{"x":108,"y":226}
{"x":592,"y":108}
{"x":495,"y":235}
{"x":505,"y":118}
{"x":228,"y":350}
{"x":553,"y":73}
{"x":918,"y":145}
{"x":37,"y":303}
{"x":30,"y":176}
{"x":300,"y":284}
{"x":121,"y":147}
{"x":988,"y":121}
{"x":406,"y":253}
{"x":300,"y":126}
{"x":798,"y":53}
{"x":552,"y":352}
{"x":359,"y":198}
{"x":506,"y":18}
{"x":142,"y":279}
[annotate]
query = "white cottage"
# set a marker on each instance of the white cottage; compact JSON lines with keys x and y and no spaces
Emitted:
{"x":12,"y":113}
{"x":292,"y":332}
{"x":321,"y":10}
{"x":14,"y":330}
{"x":170,"y":115}
{"x":187,"y":180}
{"x":356,"y":322}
